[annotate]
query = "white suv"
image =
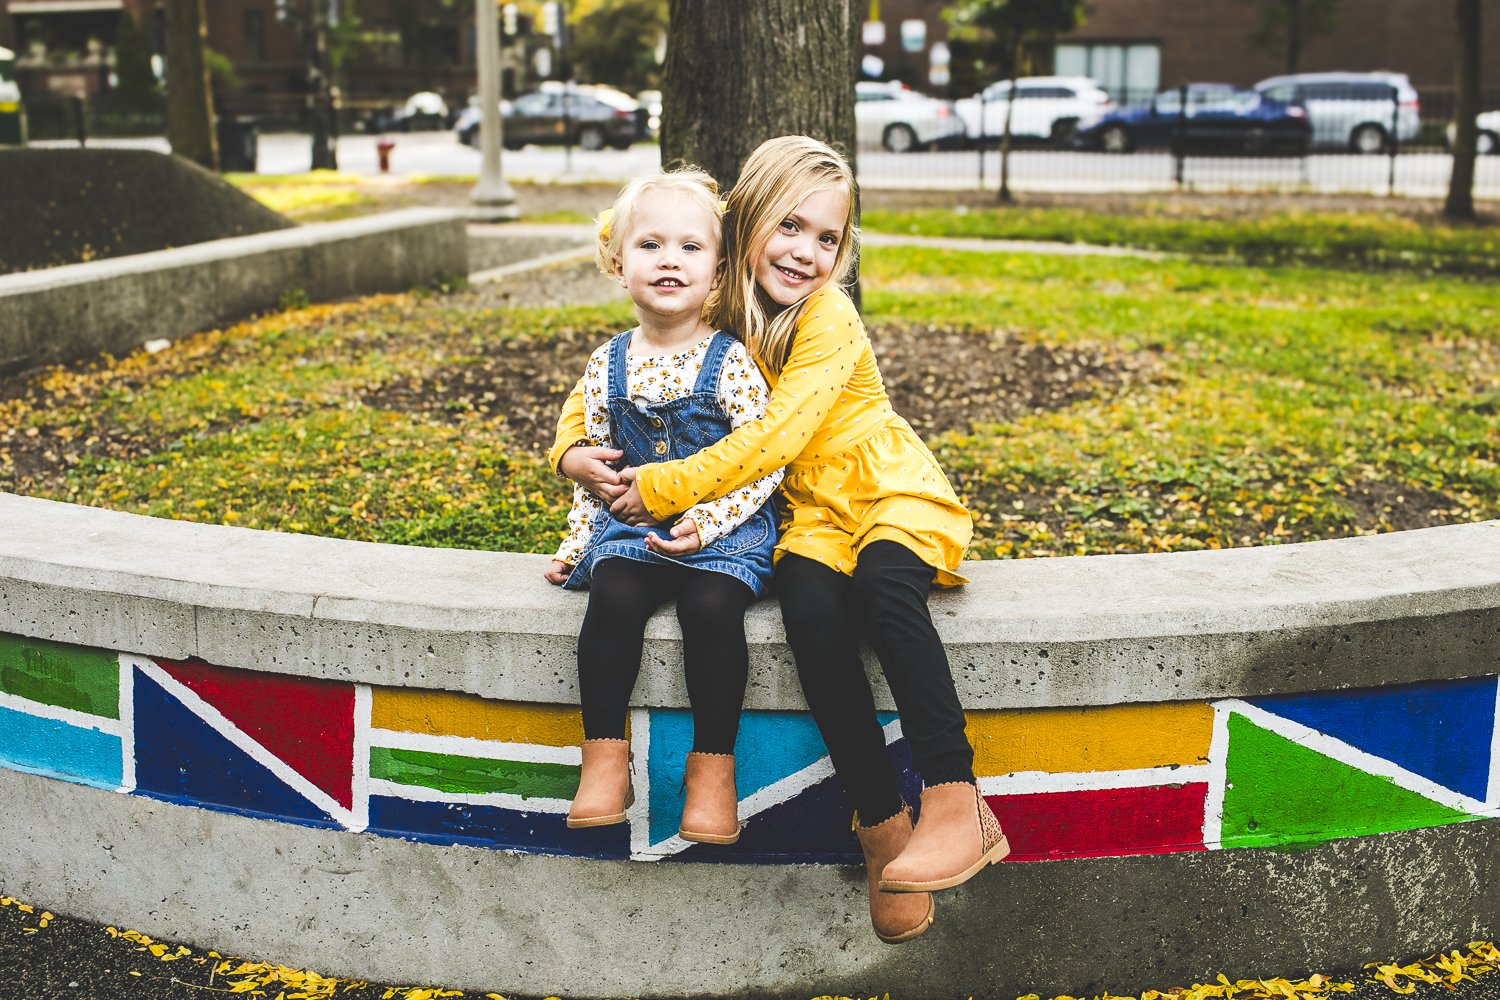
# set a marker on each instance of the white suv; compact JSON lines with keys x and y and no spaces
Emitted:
{"x":1354,"y":111}
{"x":1047,"y":107}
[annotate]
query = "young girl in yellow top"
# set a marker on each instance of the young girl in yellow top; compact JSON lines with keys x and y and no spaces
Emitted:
{"x":871,"y":523}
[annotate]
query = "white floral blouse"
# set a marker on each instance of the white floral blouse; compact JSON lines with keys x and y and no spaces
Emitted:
{"x":658,"y":379}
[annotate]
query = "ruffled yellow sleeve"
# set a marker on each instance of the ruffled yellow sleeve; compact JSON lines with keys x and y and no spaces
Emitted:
{"x":825,"y":349}
{"x":571,"y":428}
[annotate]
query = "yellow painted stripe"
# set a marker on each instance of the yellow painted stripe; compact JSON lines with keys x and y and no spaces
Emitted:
{"x":443,"y":713}
{"x":1107,"y":738}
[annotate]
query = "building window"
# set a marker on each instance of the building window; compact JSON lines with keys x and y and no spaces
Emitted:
{"x":255,"y":36}
{"x":1130,"y":72}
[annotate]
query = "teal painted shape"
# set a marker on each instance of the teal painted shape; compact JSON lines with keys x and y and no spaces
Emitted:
{"x":770,"y":747}
{"x":56,"y":749}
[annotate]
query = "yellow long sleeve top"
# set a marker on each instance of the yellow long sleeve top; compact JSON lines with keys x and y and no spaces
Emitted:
{"x":856,"y":472}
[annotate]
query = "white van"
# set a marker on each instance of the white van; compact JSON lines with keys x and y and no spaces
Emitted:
{"x":1354,"y":111}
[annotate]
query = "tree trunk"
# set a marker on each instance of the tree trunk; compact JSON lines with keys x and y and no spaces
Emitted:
{"x":739,"y":73}
{"x":1293,"y":35}
{"x":190,"y":112}
{"x":1010,"y":107}
{"x":320,"y":111}
{"x":1460,"y":201}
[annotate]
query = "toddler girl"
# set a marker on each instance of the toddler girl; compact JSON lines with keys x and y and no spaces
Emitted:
{"x":660,"y":392}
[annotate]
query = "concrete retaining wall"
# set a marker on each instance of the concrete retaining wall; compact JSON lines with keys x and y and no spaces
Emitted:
{"x":114,"y":306}
{"x":358,"y":757}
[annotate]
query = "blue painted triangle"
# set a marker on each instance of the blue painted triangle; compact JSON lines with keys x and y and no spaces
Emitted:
{"x":179,"y":757}
{"x":813,"y":827}
{"x":771,"y":746}
{"x":1443,"y":731}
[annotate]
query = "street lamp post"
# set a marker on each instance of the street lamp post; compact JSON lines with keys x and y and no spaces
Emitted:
{"x":492,"y":197}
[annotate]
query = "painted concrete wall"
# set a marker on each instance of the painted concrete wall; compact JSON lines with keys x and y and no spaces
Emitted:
{"x":127,"y":301}
{"x":1160,"y":728}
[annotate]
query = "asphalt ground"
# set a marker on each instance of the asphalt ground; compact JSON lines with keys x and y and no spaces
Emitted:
{"x":48,"y":957}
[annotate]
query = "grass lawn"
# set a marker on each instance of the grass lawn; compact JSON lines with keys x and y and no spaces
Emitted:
{"x":1168,"y":406}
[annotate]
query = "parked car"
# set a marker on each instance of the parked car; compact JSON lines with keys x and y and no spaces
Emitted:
{"x":1219,"y":118}
{"x":422,"y":111}
{"x":1047,"y":107}
{"x":1355,"y":111}
{"x":1488,"y":140}
{"x":590,"y":117}
{"x":902,"y":120}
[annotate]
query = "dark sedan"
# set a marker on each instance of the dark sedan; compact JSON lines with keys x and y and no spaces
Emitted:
{"x":1219,"y":118}
{"x":589,"y":117}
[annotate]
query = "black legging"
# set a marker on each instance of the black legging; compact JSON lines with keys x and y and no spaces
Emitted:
{"x":711,"y":609}
{"x":885,"y":601}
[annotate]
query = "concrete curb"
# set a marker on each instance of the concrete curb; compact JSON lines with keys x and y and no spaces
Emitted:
{"x":114,"y":306}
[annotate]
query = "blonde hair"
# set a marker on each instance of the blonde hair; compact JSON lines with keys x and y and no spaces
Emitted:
{"x":616,"y":222}
{"x":776,"y":178}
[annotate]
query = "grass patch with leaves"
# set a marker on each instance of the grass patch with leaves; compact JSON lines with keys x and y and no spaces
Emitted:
{"x":1094,"y":405}
{"x":1365,"y":240}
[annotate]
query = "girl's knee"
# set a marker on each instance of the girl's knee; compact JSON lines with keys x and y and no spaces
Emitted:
{"x":715,"y":602}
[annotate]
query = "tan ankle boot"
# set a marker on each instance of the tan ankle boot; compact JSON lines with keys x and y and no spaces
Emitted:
{"x":604,"y":788}
{"x":895,"y":917}
{"x":711,"y":813}
{"x":956,"y":835}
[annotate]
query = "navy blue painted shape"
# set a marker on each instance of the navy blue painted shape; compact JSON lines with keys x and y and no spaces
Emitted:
{"x":180,"y":758}
{"x":1443,"y":731}
{"x":813,"y":827}
{"x":494,"y":827}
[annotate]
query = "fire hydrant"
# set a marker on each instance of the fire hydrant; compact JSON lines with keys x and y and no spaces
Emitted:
{"x":383,"y":149}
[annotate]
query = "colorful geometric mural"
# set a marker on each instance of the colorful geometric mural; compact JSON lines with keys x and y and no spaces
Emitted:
{"x":456,"y":769}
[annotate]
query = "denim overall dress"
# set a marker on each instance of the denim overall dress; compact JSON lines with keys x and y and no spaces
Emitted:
{"x":662,"y":432}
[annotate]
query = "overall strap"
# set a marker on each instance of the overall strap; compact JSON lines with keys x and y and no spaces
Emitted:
{"x":713,"y":363}
{"x":618,"y":381}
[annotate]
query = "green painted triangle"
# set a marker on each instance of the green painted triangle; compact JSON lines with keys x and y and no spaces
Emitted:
{"x":1279,"y":792}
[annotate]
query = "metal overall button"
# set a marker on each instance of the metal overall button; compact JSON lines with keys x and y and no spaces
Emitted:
{"x":661,"y":447}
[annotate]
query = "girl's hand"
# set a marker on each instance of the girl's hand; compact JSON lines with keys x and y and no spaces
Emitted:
{"x":685,"y":540}
{"x":628,"y":507}
{"x":588,"y":466}
{"x":557,"y":573}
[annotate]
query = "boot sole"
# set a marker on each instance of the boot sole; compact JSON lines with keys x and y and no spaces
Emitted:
{"x":709,"y":838}
{"x":990,"y":857}
{"x":584,"y":822}
{"x":915,"y":931}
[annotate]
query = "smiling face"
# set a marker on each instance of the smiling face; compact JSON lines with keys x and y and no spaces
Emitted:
{"x":669,"y":259}
{"x":799,"y":256}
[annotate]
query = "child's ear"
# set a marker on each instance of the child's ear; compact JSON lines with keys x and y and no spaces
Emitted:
{"x":718,"y":276}
{"x":619,"y":274}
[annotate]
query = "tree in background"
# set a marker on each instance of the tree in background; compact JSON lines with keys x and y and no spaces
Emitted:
{"x":740,"y":73}
{"x":1286,"y":26}
{"x":1009,"y":29}
{"x":135,"y":81}
{"x":1460,"y":201}
{"x":312,"y":20}
{"x":617,"y":43}
{"x":190,"y":113}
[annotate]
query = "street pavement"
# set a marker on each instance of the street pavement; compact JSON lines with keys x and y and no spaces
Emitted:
{"x":1422,"y":174}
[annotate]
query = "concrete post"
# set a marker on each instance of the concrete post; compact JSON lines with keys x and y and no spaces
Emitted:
{"x":493,"y":198}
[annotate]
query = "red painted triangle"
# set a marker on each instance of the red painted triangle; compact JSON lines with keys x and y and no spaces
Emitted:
{"x":308,"y":724}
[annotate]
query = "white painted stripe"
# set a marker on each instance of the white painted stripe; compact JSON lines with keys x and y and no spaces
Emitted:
{"x":127,"y":722}
{"x":364,"y":707}
{"x":639,"y":813}
{"x":1359,"y":759}
{"x":1493,"y":798}
{"x":244,"y":742}
{"x":502,"y":800}
{"x":1218,"y":782}
{"x":468,"y":746}
{"x":1042,"y":782}
{"x":69,"y":716}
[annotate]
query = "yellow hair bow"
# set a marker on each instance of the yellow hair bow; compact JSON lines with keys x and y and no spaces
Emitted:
{"x":608,"y":214}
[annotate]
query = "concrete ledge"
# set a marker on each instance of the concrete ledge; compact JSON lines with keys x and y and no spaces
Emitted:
{"x":358,"y":757}
{"x":578,"y":927}
{"x":114,"y":306}
{"x":1035,"y":633}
